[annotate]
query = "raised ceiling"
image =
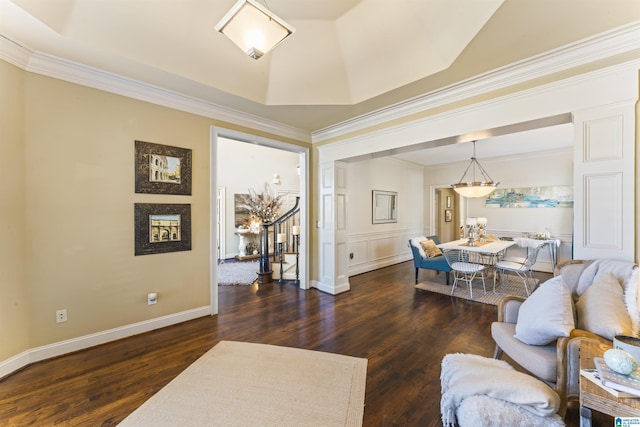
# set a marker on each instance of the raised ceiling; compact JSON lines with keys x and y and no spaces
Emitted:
{"x":346,"y":58}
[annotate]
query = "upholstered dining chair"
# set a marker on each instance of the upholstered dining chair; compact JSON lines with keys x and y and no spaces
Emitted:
{"x":464,"y":269}
{"x":422,"y":260}
{"x":520,"y":267}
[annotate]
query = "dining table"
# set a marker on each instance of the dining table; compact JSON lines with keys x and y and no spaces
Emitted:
{"x":488,"y":252}
{"x":492,"y":247}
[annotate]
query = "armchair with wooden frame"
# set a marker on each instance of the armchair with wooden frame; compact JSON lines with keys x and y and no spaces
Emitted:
{"x":558,"y":363}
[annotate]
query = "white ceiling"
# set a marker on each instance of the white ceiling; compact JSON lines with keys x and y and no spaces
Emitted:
{"x":347,"y":57}
{"x":543,"y":139}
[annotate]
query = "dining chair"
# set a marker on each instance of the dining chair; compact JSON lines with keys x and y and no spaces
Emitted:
{"x":464,"y":269}
{"x":521,"y":267}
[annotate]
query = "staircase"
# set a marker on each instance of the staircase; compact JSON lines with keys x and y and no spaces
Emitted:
{"x":288,"y":268}
{"x":280,"y":240}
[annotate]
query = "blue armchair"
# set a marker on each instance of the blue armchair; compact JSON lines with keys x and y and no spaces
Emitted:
{"x":421,"y":260}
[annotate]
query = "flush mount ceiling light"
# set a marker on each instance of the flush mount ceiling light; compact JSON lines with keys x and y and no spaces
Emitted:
{"x":253,"y":28}
{"x":475,"y":188}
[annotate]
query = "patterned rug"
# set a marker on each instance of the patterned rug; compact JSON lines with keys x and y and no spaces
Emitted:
{"x":238,"y":273}
{"x":510,"y":287}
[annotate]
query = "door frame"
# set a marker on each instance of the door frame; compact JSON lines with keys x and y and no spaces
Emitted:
{"x":303,"y":152}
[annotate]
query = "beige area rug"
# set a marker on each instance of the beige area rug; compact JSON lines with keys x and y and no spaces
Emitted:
{"x":510,"y":287}
{"x":246,"y":384}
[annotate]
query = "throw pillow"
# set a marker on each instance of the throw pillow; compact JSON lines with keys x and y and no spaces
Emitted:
{"x":601,"y":308}
{"x":415,"y":241}
{"x":571,"y":274}
{"x":430,"y":248}
{"x":546,"y":315}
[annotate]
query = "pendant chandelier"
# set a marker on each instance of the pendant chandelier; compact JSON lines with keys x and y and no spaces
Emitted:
{"x":475,"y":188}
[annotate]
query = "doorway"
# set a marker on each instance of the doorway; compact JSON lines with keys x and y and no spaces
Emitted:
{"x":447,"y":214}
{"x":222,"y":215}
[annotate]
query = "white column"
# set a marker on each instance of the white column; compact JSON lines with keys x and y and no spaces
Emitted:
{"x":604,"y":155}
{"x":334,"y":277}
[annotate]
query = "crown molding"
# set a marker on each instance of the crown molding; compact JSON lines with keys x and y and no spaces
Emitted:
{"x":609,"y":44}
{"x":606,"y":45}
{"x":73,"y":72}
{"x":14,"y":53}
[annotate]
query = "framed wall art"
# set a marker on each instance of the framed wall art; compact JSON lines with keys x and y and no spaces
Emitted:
{"x":242,"y":216}
{"x":448,"y":215}
{"x":162,"y":169}
{"x":162,"y":227}
{"x":555,"y":196}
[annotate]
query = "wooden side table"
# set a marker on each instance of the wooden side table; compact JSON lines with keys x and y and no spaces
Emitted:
{"x":595,"y":398}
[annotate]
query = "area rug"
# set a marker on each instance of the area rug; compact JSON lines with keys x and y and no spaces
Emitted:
{"x":247,"y":384}
{"x":510,"y":287}
{"x":238,"y":273}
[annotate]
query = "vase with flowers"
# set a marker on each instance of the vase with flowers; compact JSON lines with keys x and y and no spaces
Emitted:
{"x":263,"y":207}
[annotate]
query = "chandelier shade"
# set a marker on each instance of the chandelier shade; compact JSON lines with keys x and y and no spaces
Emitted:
{"x":253,"y":28}
{"x":474,"y":188}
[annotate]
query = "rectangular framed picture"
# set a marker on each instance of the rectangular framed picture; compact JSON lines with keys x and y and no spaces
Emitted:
{"x":161,"y":228}
{"x":448,"y":202}
{"x":448,"y":217}
{"x":384,"y":206}
{"x":162,"y":169}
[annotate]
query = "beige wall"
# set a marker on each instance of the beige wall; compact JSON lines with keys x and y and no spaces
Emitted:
{"x":14,"y":301}
{"x":68,"y":204}
{"x":79,"y":201}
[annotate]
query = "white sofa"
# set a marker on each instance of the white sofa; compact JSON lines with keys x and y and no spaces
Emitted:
{"x":577,"y":310}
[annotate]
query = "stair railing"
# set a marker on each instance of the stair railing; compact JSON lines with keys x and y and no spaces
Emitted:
{"x":282,"y":225}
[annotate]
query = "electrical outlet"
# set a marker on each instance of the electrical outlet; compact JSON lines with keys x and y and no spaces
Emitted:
{"x":61,"y":316}
{"x":152,"y":298}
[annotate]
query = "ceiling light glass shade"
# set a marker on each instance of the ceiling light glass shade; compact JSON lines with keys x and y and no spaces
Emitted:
{"x":475,"y":188}
{"x":253,"y":28}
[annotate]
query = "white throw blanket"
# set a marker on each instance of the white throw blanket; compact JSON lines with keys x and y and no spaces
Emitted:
{"x":524,"y":242}
{"x":467,"y":375}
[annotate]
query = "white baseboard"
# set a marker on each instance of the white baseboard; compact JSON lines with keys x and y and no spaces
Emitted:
{"x":330,"y":289}
{"x":379,"y":263}
{"x":48,"y":351}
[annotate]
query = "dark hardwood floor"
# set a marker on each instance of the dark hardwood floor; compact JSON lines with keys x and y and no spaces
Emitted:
{"x":403,"y":332}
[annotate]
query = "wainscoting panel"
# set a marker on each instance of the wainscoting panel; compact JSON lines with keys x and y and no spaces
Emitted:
{"x":378,"y":249}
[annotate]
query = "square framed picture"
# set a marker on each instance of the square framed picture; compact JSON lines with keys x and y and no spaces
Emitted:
{"x":161,"y":228}
{"x":162,"y":169}
{"x":448,"y":215}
